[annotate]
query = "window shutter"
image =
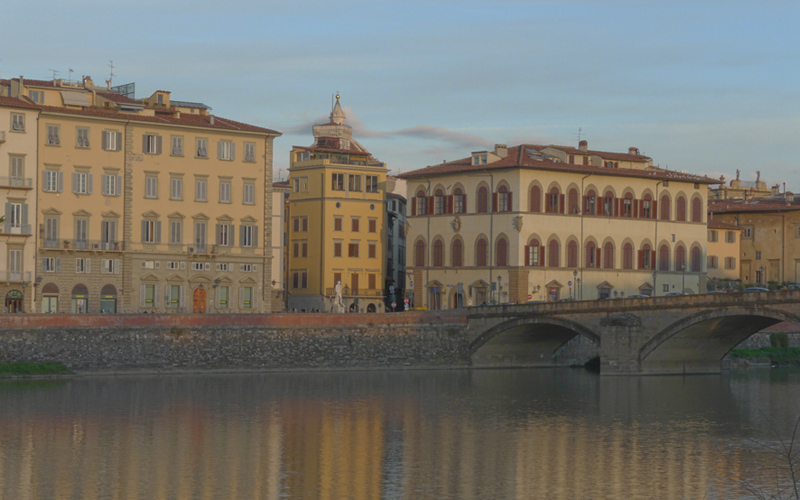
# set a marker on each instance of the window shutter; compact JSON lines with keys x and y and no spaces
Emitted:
{"x":142,"y":294}
{"x":255,"y":236}
{"x":118,"y":187}
{"x":25,"y":216}
{"x":255,"y":268}
{"x":219,"y":150}
{"x":74,"y":182}
{"x":652,"y":259}
{"x":89,"y":182}
{"x":231,"y":234}
{"x":241,"y":235}
{"x":158,"y":231}
{"x":166,"y":295}
{"x":635,"y":209}
{"x":494,"y":202}
{"x":8,"y":218}
{"x":103,"y":184}
{"x":219,"y":234}
{"x":44,"y":180}
{"x":241,"y":297}
{"x":585,"y":204}
{"x":156,"y":289}
{"x":60,"y":182}
{"x":144,"y":150}
{"x":253,"y":297}
{"x":216,"y":297}
{"x":597,"y":259}
{"x":450,"y":204}
{"x":561,"y":203}
{"x":105,"y":141}
{"x":510,"y":201}
{"x":119,"y":141}
{"x":58,"y":264}
{"x":541,"y":256}
{"x":653,"y":209}
{"x":181,"y":296}
{"x":233,"y":151}
{"x":88,"y":265}
{"x":158,"y":144}
{"x":615,"y":202}
{"x":414,"y":206}
{"x":527,"y":255}
{"x":641,"y":258}
{"x":430,"y":205}
{"x":207,"y":266}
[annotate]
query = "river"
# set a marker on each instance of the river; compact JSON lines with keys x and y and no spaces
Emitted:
{"x":416,"y":434}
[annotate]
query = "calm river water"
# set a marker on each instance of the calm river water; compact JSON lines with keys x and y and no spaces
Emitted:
{"x":483,"y":434}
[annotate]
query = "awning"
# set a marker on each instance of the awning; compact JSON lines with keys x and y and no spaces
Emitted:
{"x":75,"y":98}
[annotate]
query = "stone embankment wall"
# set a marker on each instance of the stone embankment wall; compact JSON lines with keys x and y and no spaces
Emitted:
{"x":761,"y":339}
{"x":198,"y":342}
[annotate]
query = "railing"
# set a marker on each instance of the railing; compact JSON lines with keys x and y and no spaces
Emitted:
{"x":361,"y":292}
{"x":82,"y":244}
{"x":22,"y":230}
{"x":16,"y":182}
{"x":18,"y":276}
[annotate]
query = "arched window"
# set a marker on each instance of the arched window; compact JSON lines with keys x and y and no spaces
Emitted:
{"x":572,"y":254}
{"x":440,"y":202}
{"x":608,"y":255}
{"x":680,"y":209}
{"x":627,"y":205}
{"x":697,"y":210}
{"x":608,"y":204}
{"x":536,"y":199}
{"x":663,"y":258}
{"x":459,"y":201}
{"x":501,"y":252}
{"x":482,"y":200}
{"x":533,"y":254}
{"x":680,"y":258}
{"x":697,"y":260}
{"x":591,"y":255}
{"x":573,"y":202}
{"x":646,"y":211}
{"x":627,"y":256}
{"x":590,"y":203}
{"x":503,"y":199}
{"x":419,"y":253}
{"x":438,"y":253}
{"x":555,"y":201}
{"x":480,"y":253}
{"x":665,"y":208}
{"x":419,"y":203}
{"x":646,"y":257}
{"x":553,"y":251}
{"x":457,"y":253}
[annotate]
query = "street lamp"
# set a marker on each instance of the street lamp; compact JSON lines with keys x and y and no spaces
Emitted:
{"x":763,"y":279}
{"x":574,"y":282}
{"x":499,"y":287}
{"x":683,"y":277}
{"x":654,"y":283}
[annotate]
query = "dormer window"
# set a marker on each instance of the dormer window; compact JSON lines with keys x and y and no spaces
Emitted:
{"x":479,"y":159}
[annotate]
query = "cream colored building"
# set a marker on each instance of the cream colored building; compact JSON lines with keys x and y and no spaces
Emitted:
{"x":18,"y":158}
{"x":724,"y":241}
{"x":336,"y":221}
{"x":532,"y":223}
{"x":154,"y":205}
{"x":280,"y":192}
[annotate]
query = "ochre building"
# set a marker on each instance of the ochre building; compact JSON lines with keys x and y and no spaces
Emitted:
{"x":542,"y":223}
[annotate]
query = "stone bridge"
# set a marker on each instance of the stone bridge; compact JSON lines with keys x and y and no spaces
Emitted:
{"x":682,"y":334}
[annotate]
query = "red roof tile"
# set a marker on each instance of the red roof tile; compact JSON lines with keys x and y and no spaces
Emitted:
{"x":760,"y":205}
{"x":113,"y":96}
{"x":16,"y":103}
{"x":715,"y":224}
{"x":606,"y":155}
{"x":518,"y":159}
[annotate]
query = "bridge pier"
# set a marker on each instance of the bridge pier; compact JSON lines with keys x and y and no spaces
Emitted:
{"x":619,"y":351}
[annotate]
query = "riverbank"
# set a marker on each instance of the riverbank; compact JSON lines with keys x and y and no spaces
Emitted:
{"x":778,"y":356}
{"x":27,"y":368}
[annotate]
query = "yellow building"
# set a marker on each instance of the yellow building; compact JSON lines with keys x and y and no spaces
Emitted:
{"x":770,"y":237}
{"x":18,"y":157}
{"x":551,"y":222}
{"x":336,"y":221}
{"x":154,"y":205}
{"x":723,"y":250}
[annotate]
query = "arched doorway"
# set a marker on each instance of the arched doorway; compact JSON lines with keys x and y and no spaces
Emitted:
{"x":108,"y":299}
{"x":353,"y":308}
{"x":80,"y":299}
{"x":14,"y":300}
{"x":371,"y":308}
{"x":199,"y":300}
{"x":50,"y":298}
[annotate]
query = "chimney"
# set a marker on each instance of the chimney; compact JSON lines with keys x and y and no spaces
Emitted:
{"x":583,"y":145}
{"x":212,"y":119}
{"x":501,"y":150}
{"x":633,"y":151}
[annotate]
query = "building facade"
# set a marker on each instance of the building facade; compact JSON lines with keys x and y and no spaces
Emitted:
{"x":395,"y":252}
{"x":532,"y":223}
{"x":724,"y":241}
{"x":149,"y":205}
{"x":280,"y":193}
{"x":336,"y":222}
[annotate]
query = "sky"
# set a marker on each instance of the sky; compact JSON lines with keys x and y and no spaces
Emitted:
{"x":706,"y":87}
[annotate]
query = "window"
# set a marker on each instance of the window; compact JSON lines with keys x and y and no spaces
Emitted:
{"x":747,"y":232}
{"x":697,"y":260}
{"x":226,"y":150}
{"x":249,"y":194}
{"x":225,"y":191}
{"x":532,"y":253}
{"x":201,"y":148}
{"x":246,"y":268}
{"x":501,"y":249}
{"x":758,"y":255}
{"x":108,"y":234}
{"x":372,"y":250}
{"x":177,"y":145}
{"x":176,"y":188}
{"x":354,"y":183}
{"x":536,"y":199}
{"x":554,"y":201}
{"x":419,"y":253}
{"x":174,"y":296}
{"x":49,"y":264}
{"x":372,"y":183}
{"x":200,"y":232}
{"x":481,"y":253}
{"x":225,"y":234}
{"x":304,"y":224}
{"x":553,"y":248}
{"x":176,"y":232}
{"x":52,"y":181}
{"x":713,"y":236}
{"x":457,"y":254}
{"x":247,"y":236}
{"x":151,"y":144}
{"x":151,"y":187}
{"x":439,"y":203}
{"x":151,"y":231}
{"x":51,"y":233}
{"x":337,"y":249}
{"x":503,"y":199}
{"x":646,"y":208}
{"x":646,"y":258}
{"x":627,"y":206}
{"x":148,"y":296}
{"x":680,"y":258}
{"x":712,"y":262}
{"x":247,"y":294}
{"x":53,"y":138}
{"x":591,"y":203}
{"x":663,"y":258}
{"x":14,"y":215}
{"x":354,"y":224}
{"x":80,"y":265}
{"x":112,"y":140}
{"x":352,"y":250}
{"x":200,"y":186}
{"x":459,"y":202}
{"x":483,"y":200}
{"x":665,"y":208}
{"x":371,"y":281}
{"x":338,"y":182}
{"x":81,"y":183}
{"x":697,"y":210}
{"x":111,"y":185}
{"x":680,"y":209}
{"x":198,"y":266}
{"x":421,"y":203}
{"x":249,"y":152}
{"x":81,"y":233}
{"x":222,"y":300}
{"x":373,"y":226}
{"x":730,"y":262}
{"x":82,"y":137}
{"x":109,"y":266}
{"x":17,"y":122}
{"x":730,"y":236}
{"x":36,"y":96}
{"x":337,"y":223}
{"x":608,"y":255}
{"x":608,"y":204}
{"x":627,"y":256}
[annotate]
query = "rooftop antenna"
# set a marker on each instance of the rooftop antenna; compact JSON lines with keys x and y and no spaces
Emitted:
{"x":580,"y":130}
{"x":111,"y":74}
{"x":69,"y":79}
{"x":55,"y":72}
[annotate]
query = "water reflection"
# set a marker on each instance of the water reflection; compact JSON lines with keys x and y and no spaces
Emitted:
{"x":521,"y":434}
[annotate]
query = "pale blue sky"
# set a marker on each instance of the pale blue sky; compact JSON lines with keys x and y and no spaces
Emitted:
{"x":703,"y":86}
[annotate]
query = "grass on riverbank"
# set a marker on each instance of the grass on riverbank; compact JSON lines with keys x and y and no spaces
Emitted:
{"x":776,"y":355}
{"x":29,"y":368}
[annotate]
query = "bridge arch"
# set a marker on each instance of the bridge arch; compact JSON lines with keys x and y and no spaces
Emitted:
{"x":529,"y":340}
{"x":699,"y":341}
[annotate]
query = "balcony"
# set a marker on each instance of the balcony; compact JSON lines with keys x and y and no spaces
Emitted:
{"x":87,"y":245}
{"x":22,"y":230}
{"x":15,"y":276}
{"x":16,"y":183}
{"x":361,"y":292}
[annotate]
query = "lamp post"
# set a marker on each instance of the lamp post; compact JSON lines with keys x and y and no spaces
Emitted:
{"x":499,"y":287}
{"x":214,"y":299}
{"x":36,"y":282}
{"x":346,"y":293}
{"x":24,"y":284}
{"x":654,"y":283}
{"x":574,"y":282}
{"x":763,"y":279}
{"x":683,"y":277}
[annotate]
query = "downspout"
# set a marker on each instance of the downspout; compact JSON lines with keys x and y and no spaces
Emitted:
{"x":36,"y":218}
{"x":491,"y":234}
{"x":655,"y":241}
{"x":581,"y":250}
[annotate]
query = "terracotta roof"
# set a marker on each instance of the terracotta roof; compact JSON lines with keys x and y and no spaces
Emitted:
{"x":759,"y":205}
{"x":715,"y":224}
{"x":608,"y":155}
{"x":281,"y":184}
{"x":518,"y":159}
{"x":37,"y":83}
{"x":16,"y":103}
{"x":113,"y":96}
{"x":186,"y":119}
{"x":332,"y":150}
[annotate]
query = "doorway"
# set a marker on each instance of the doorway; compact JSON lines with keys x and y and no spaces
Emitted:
{"x":14,"y":300}
{"x":199,"y":301}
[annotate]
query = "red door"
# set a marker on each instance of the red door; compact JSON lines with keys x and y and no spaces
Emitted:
{"x":199,"y":300}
